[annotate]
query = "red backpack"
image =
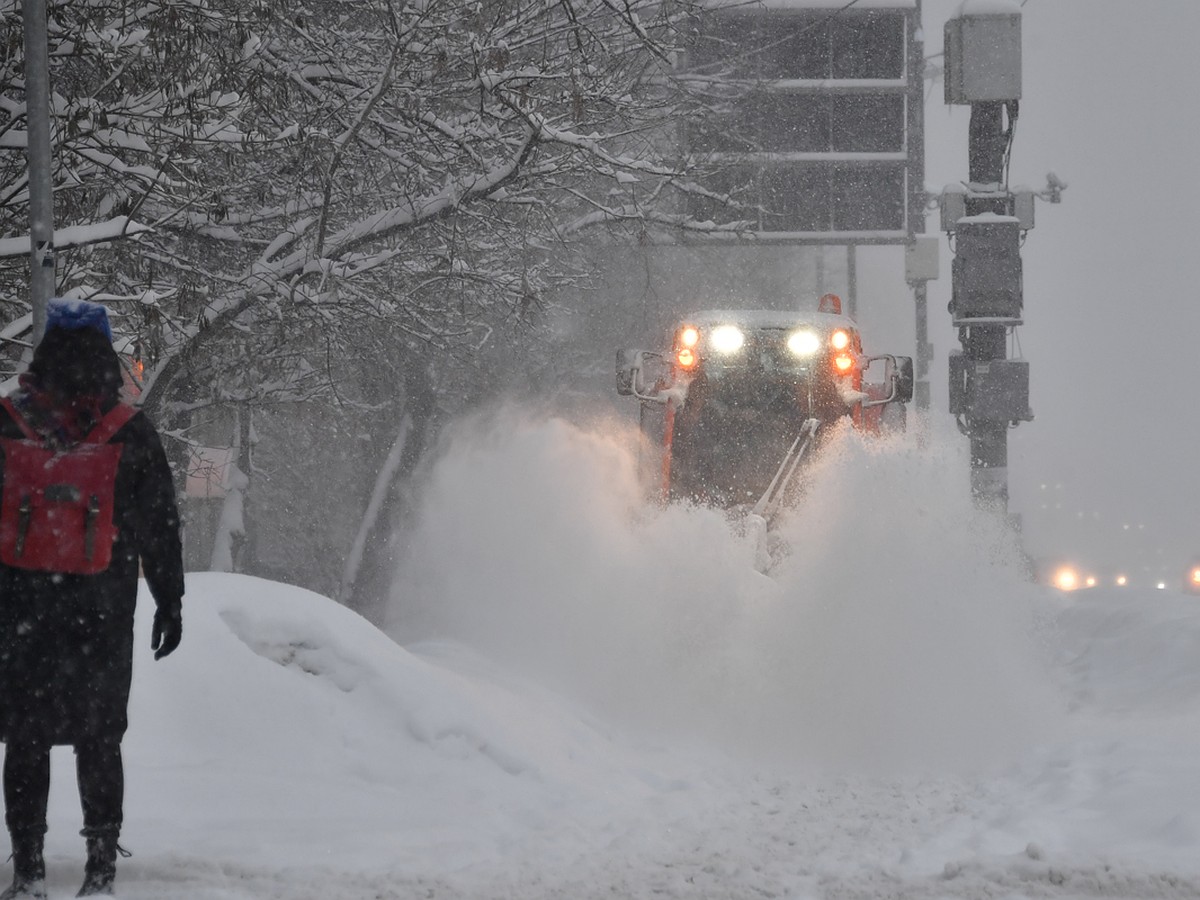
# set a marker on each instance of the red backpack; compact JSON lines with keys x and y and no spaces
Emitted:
{"x":56,"y":511}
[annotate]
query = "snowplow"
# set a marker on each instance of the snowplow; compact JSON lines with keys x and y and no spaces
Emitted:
{"x":734,"y":408}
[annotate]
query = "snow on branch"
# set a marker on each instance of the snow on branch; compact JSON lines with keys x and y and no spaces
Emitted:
{"x":607,"y":215}
{"x":386,"y":223}
{"x":78,"y":235}
{"x":591,"y":144}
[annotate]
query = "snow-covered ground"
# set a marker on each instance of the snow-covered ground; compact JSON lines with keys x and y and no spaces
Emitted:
{"x":582,"y":698}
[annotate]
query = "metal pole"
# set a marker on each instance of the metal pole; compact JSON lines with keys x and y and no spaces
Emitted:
{"x":988,"y":392}
{"x":852,"y":281}
{"x":924,"y":356}
{"x":985,"y":343}
{"x":38,"y":152}
{"x":915,"y":135}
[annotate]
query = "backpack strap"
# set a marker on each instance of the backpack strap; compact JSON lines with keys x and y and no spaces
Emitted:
{"x":112,"y":422}
{"x":11,"y":408}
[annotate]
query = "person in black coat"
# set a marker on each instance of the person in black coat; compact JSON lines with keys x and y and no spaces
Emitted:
{"x":66,"y":640}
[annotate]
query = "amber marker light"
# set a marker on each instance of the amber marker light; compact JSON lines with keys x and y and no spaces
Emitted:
{"x":686,"y":357}
{"x":843,"y":362}
{"x":830,"y":303}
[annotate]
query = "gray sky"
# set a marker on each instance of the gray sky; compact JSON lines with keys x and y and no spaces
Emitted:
{"x":1111,"y":314}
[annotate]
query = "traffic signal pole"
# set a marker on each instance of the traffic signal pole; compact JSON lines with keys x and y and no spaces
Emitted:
{"x":38,"y":154}
{"x":989,"y":393}
{"x":985,"y":342}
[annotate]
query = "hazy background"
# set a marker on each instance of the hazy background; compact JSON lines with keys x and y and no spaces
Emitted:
{"x":1107,"y":470}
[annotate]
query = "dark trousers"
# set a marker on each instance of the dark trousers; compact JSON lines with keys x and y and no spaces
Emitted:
{"x":101,"y":777}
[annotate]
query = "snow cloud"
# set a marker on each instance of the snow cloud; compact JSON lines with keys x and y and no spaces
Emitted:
{"x":888,"y":638}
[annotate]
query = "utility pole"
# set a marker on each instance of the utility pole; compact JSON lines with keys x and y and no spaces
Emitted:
{"x":38,"y":154}
{"x":988,"y":392}
{"x":921,"y":253}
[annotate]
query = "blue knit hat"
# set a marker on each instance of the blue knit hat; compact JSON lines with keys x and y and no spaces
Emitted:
{"x":72,"y":315}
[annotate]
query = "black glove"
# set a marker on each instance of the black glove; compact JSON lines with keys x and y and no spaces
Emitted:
{"x":168,"y":629}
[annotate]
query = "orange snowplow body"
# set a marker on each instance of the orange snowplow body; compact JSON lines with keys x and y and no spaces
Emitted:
{"x":737,"y":387}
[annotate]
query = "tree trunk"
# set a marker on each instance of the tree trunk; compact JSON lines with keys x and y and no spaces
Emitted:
{"x":375,"y":505}
{"x":370,"y":565}
{"x":231,"y":545}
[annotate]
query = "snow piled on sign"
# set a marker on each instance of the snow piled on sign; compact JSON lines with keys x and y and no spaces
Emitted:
{"x":989,"y":8}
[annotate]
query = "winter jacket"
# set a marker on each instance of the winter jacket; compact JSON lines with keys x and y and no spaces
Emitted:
{"x":66,"y":641}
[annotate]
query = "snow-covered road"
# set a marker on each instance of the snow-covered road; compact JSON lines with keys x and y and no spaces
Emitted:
{"x":584,"y":699}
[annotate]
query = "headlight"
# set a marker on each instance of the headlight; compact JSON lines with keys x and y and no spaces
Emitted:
{"x":726,"y":339}
{"x":1066,"y":579}
{"x":804,"y":343}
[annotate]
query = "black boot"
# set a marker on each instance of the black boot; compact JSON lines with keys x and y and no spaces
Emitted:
{"x":29,"y":868}
{"x":101,"y":867}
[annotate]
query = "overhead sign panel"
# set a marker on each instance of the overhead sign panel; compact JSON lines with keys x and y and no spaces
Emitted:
{"x":806,"y":134}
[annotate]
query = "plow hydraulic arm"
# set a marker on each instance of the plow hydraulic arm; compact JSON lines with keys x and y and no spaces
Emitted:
{"x":762,"y":514}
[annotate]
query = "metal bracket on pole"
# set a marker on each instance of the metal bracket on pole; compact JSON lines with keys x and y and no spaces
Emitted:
{"x":43,"y":255}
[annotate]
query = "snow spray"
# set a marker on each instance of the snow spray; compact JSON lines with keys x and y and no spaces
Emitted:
{"x":895,"y":634}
